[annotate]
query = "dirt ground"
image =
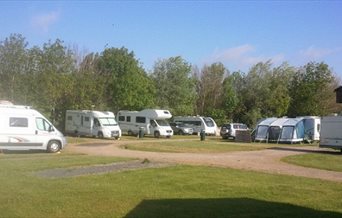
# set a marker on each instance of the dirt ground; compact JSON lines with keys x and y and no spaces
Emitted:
{"x":267,"y":160}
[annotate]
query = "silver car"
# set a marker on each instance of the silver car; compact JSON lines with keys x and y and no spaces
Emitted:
{"x":181,"y":128}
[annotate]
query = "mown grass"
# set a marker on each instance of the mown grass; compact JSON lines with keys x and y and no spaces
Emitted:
{"x":326,"y":161}
{"x":178,"y":191}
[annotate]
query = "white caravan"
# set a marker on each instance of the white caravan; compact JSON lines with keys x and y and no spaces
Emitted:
{"x":22,"y":128}
{"x":198,"y":123}
{"x":152,"y":121}
{"x":331,"y":132}
{"x":92,"y":123}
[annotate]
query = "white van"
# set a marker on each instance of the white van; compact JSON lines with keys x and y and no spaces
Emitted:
{"x":22,"y":128}
{"x":331,"y":132}
{"x":198,"y":123}
{"x":92,"y":123}
{"x":153,"y":121}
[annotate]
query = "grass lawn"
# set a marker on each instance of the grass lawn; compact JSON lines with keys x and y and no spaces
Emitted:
{"x":325,"y":161}
{"x":177,"y":191}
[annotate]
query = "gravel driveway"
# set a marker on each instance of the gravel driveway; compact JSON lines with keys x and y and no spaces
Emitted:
{"x":267,"y":160}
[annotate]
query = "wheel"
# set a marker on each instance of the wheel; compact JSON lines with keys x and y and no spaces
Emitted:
{"x":100,"y":135}
{"x":53,"y":146}
{"x":156,"y":134}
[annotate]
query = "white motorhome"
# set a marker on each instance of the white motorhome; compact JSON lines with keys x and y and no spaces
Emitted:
{"x":23,"y":128}
{"x":198,"y":123}
{"x":92,"y":123}
{"x":153,"y":121}
{"x":331,"y":132}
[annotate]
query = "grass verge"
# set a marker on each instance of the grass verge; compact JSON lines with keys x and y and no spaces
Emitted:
{"x":332,"y":162}
{"x":179,"y":191}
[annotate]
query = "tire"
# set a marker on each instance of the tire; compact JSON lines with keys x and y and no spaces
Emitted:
{"x":156,"y":134}
{"x":53,"y":146}
{"x":100,"y":135}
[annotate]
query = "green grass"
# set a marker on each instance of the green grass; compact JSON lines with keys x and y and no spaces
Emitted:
{"x":325,"y":161}
{"x":178,"y":191}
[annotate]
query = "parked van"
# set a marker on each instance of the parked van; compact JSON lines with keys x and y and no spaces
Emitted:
{"x":151,"y":121}
{"x":198,"y":123}
{"x":23,"y":128}
{"x":92,"y":123}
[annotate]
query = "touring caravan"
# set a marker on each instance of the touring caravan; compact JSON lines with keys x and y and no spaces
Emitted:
{"x":152,"y":121}
{"x":331,"y":132}
{"x":92,"y":123}
{"x":198,"y":123}
{"x":23,"y":128}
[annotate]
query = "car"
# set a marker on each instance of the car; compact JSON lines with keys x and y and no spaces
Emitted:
{"x":181,"y":128}
{"x":228,"y":130}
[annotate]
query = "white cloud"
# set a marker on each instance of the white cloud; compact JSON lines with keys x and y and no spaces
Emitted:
{"x":316,"y":53}
{"x":44,"y":21}
{"x":242,"y":57}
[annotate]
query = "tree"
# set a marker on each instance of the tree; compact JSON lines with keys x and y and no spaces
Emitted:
{"x":13,"y":63}
{"x":311,"y":90}
{"x":127,"y":84}
{"x":175,"y":84}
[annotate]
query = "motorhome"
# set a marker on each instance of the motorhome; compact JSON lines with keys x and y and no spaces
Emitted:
{"x":100,"y":124}
{"x":151,"y":121}
{"x":331,"y":132}
{"x":199,"y":123}
{"x":23,"y":128}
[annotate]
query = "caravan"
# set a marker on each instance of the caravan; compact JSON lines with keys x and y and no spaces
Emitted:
{"x":92,"y":123}
{"x":151,"y":121}
{"x":23,"y":128}
{"x":331,"y":133}
{"x":198,"y":123}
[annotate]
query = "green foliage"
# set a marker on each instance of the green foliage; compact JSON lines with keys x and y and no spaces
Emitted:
{"x":128,"y":86}
{"x":310,"y":90}
{"x":175,"y":85}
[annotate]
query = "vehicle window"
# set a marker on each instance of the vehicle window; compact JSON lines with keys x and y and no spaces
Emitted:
{"x":121,"y":118}
{"x":96,"y":122}
{"x":86,"y":119}
{"x":209,"y":122}
{"x":108,"y":121}
{"x":235,"y":126}
{"x":140,"y":119}
{"x":153,"y":123}
{"x":128,"y":118}
{"x":243,"y":126}
{"x":18,"y":122}
{"x":42,"y":124}
{"x":162,"y":122}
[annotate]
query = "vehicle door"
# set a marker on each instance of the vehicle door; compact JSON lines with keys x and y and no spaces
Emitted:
{"x":96,"y":127}
{"x":43,"y":131}
{"x":153,"y":126}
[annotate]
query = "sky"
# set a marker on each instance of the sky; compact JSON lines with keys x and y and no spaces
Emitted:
{"x":238,"y":34}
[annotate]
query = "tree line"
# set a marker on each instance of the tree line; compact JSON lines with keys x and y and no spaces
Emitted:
{"x":54,"y":78}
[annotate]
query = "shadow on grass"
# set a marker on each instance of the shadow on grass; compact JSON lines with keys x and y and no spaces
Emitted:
{"x":332,"y":152}
{"x":225,"y":207}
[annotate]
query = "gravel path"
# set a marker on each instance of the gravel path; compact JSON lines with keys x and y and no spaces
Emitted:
{"x":267,"y":160}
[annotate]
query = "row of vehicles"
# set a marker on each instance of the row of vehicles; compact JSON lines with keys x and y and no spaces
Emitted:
{"x":23,"y":128}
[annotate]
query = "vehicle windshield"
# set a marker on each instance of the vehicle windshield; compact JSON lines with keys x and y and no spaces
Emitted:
{"x":209,"y":122}
{"x":108,"y":121}
{"x":162,"y":123}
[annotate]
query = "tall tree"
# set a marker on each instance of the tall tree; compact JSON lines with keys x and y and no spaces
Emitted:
{"x":128,"y":86}
{"x":311,"y":90}
{"x":175,"y":84}
{"x":13,"y":63}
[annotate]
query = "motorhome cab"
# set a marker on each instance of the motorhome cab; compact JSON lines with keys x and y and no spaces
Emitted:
{"x":199,"y":123}
{"x":92,"y":123}
{"x":22,"y":128}
{"x":153,"y":121}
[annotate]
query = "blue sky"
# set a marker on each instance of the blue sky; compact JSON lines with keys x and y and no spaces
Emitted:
{"x":236,"y":33}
